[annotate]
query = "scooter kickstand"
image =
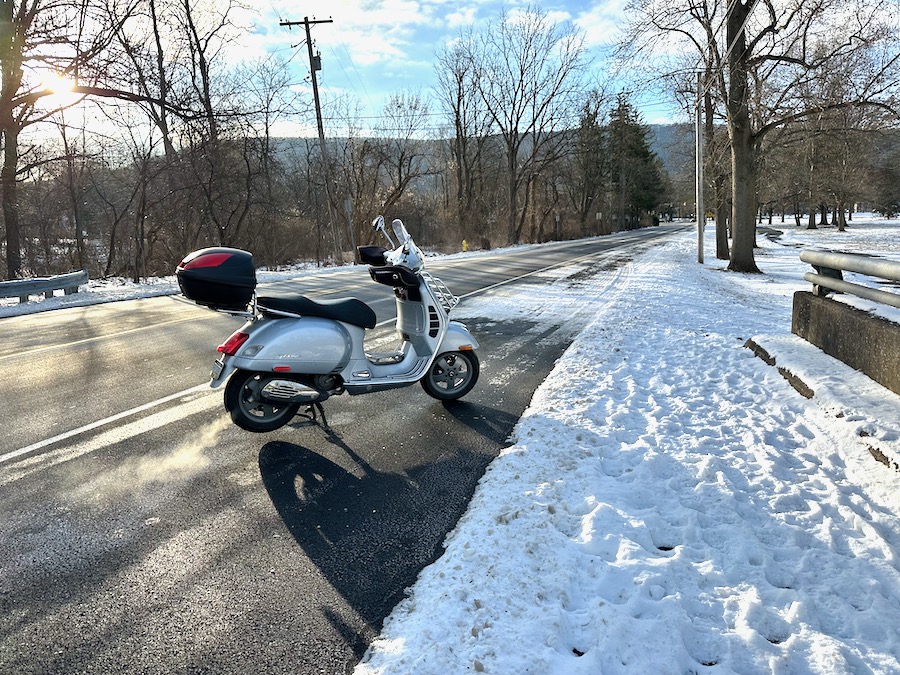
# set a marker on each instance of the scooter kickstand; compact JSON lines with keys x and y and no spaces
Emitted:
{"x":311,"y":413}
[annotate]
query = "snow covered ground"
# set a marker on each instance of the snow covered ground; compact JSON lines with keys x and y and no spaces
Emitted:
{"x":668,"y":503}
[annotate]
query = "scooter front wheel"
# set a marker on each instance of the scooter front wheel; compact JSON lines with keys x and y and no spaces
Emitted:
{"x":249,"y":410}
{"x":452,"y":375}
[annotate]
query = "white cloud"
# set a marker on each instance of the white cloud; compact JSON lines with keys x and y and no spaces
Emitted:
{"x":602,"y":22}
{"x":462,"y":17}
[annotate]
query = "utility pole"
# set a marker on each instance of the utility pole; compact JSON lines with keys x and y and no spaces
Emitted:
{"x":315,"y":64}
{"x":698,"y":150}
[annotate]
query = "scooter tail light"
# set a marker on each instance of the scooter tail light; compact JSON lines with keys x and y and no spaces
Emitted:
{"x":233,"y":343}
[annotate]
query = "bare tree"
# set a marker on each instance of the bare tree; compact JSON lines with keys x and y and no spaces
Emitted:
{"x":528,"y":73}
{"x":150,"y":63}
{"x":375,"y":173}
{"x":402,"y":146}
{"x":44,"y":40}
{"x":769,"y":52}
{"x":457,"y":78}
{"x":264,"y":98}
{"x":74,"y":181}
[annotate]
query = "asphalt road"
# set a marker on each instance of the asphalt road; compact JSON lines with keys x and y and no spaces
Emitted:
{"x":141,"y":532}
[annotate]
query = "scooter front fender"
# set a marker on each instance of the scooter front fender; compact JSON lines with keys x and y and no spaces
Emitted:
{"x":457,"y":338}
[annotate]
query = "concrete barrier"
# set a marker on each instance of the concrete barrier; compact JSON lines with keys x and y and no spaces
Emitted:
{"x":868,"y":343}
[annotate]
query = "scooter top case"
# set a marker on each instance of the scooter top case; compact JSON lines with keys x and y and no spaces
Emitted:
{"x":220,"y":278}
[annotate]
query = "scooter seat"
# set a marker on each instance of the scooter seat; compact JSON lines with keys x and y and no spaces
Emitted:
{"x":348,"y":310}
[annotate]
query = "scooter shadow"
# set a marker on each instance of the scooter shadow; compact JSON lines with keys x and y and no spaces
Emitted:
{"x":495,"y":425}
{"x":369,"y":532}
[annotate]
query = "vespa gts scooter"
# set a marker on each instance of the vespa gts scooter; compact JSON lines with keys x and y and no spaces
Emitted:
{"x":296,"y":351}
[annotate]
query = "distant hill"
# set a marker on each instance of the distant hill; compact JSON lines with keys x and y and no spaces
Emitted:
{"x":674,"y":145}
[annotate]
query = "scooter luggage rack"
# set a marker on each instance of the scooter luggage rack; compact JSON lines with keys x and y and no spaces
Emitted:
{"x":248,"y":313}
{"x":439,"y":288}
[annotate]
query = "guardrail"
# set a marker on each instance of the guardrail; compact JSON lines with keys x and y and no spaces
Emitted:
{"x":867,"y":342}
{"x":829,"y":267}
{"x":22,"y":288}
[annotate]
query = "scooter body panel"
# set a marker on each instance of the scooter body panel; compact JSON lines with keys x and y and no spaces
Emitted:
{"x":308,"y":345}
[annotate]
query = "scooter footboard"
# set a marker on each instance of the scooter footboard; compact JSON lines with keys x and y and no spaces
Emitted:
{"x":457,"y":338}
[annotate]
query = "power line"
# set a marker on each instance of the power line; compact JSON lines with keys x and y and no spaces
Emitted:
{"x":355,"y":71}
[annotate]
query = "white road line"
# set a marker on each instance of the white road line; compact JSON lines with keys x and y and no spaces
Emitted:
{"x":40,"y":445}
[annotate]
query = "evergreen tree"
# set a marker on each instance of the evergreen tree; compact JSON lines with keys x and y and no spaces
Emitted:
{"x":637,"y":182}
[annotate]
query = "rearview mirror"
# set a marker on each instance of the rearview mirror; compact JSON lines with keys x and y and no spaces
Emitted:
{"x":378,"y":226}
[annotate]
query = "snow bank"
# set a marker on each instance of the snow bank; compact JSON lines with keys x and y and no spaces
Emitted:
{"x":669,"y":503}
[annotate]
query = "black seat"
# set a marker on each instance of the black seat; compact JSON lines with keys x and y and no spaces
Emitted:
{"x":348,"y":310}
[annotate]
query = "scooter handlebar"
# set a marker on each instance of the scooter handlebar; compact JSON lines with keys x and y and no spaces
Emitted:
{"x":405,"y":253}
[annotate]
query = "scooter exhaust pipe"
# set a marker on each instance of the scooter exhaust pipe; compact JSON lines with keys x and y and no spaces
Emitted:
{"x":291,"y":391}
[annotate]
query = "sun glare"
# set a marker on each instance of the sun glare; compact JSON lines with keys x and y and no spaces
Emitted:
{"x":58,"y":84}
{"x":60,"y":89}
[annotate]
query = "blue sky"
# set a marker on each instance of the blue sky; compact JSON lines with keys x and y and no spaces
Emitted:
{"x":373,"y":49}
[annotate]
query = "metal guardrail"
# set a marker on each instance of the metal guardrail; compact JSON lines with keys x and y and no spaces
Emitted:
{"x":22,"y":288}
{"x":829,"y":267}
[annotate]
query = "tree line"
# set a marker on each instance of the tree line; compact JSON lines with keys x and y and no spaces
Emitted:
{"x":808,"y":80}
{"x":186,"y":157}
{"x":164,"y":146}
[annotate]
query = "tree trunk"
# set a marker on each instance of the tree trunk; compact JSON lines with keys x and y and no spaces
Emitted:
{"x":9,"y":196}
{"x":722,"y":249}
{"x":743,"y":151}
{"x":512,"y":202}
{"x":743,"y":209}
{"x":719,"y":184}
{"x":11,"y":35}
{"x":74,"y":200}
{"x":459,"y":149}
{"x":840,"y":219}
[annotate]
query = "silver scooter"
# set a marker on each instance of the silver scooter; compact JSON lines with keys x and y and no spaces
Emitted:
{"x":296,"y":351}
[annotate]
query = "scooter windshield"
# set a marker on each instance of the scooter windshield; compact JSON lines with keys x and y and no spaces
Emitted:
{"x":400,"y":231}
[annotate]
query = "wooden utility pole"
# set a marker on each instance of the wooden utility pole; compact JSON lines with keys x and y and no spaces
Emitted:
{"x":315,"y":64}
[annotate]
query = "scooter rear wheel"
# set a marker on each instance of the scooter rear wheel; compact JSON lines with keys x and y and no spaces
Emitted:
{"x":452,"y":375}
{"x":248,"y":410}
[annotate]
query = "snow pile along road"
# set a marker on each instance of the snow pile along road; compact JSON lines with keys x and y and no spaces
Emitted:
{"x":670,"y":504}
